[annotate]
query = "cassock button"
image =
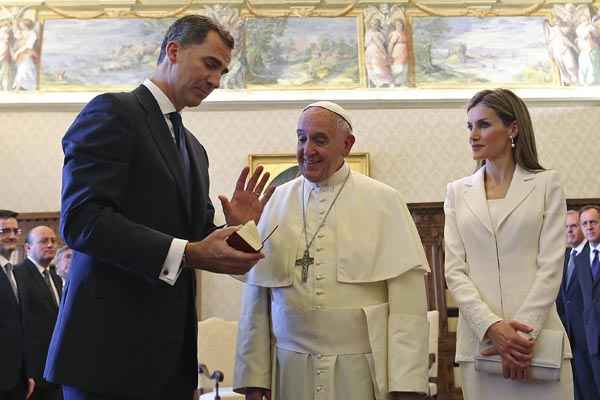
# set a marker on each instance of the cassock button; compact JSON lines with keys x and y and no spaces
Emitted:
{"x":319,"y":292}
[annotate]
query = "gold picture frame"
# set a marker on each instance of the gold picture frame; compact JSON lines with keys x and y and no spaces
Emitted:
{"x":281,"y":166}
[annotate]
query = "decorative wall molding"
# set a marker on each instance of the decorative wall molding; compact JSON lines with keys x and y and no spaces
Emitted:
{"x":371,"y":98}
{"x":393,"y":50}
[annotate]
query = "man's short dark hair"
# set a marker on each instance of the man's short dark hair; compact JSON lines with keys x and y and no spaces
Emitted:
{"x":5,"y":214}
{"x":192,"y":29}
{"x":589,"y":207}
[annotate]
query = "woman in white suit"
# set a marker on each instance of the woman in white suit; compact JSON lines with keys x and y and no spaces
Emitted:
{"x":504,"y":243}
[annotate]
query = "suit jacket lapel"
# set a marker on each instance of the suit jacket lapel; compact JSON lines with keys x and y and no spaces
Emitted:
{"x":39,"y":285}
{"x":6,"y":287}
{"x":584,"y":273}
{"x":57,"y":283}
{"x":164,"y":141}
{"x":197,"y":179}
{"x":522,"y":184}
{"x":475,"y":198}
{"x":564,"y":286}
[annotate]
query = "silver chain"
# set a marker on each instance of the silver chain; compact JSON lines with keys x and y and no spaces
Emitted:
{"x":307,"y":243}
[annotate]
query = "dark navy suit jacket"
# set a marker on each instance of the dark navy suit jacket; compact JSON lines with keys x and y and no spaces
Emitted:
{"x":12,"y":344}
{"x":39,"y":316}
{"x":120,"y":329}
{"x":569,"y":304}
{"x":562,"y":292}
{"x":590,"y":291}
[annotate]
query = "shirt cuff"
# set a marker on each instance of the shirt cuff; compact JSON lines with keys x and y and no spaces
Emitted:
{"x":172,"y":265}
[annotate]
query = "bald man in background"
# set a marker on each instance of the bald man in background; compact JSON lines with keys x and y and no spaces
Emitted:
{"x":43,"y":288}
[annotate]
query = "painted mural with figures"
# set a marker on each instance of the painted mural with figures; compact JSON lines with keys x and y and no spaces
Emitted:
{"x":294,"y":48}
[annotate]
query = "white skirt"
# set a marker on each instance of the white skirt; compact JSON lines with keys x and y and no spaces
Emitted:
{"x":483,"y":386}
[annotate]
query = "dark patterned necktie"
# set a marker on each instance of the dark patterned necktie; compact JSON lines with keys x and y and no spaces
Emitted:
{"x":595,"y":265}
{"x":46,"y":275}
{"x":8,"y":270}
{"x":570,"y":267}
{"x":181,"y":142}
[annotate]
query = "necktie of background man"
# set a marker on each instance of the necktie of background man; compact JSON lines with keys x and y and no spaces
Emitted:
{"x":571,"y":267}
{"x":46,"y":275}
{"x":8,"y":270}
{"x":595,"y":264}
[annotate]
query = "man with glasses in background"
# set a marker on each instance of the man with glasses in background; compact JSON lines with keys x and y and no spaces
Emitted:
{"x":13,"y":381}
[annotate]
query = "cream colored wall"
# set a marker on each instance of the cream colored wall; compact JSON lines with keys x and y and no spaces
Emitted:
{"x":416,"y":149}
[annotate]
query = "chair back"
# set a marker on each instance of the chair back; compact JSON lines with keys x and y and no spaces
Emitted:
{"x":216,"y":349}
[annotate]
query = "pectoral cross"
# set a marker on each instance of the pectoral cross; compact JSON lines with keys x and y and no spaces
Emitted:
{"x":306,"y":261}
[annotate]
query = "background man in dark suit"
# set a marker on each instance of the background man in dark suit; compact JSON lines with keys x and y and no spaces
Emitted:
{"x":587,"y":265}
{"x":135,"y":209}
{"x":569,"y":304}
{"x":42,"y":287}
{"x":13,"y":382}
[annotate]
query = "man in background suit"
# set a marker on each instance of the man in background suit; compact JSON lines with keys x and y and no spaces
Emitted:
{"x":43,"y":288}
{"x":14,"y":385}
{"x":136,"y":211}
{"x":587,"y":265}
{"x":569,"y":305}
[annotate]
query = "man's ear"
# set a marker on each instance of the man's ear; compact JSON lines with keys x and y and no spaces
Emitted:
{"x":172,"y":51}
{"x":348,"y":143}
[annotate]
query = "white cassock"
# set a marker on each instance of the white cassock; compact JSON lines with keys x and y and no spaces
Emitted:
{"x":357,"y":328}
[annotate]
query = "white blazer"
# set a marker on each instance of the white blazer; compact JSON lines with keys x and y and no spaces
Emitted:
{"x":522,"y":258}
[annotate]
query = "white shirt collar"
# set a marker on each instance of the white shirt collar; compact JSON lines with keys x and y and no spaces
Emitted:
{"x":336,"y":179}
{"x":592,"y":248}
{"x":3,"y":261}
{"x":164,"y":103}
{"x":38,"y":266}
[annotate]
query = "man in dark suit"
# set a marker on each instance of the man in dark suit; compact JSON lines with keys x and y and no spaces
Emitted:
{"x":136,"y":211}
{"x":14,"y":385}
{"x":587,"y":265}
{"x":43,"y":288}
{"x":569,"y":304}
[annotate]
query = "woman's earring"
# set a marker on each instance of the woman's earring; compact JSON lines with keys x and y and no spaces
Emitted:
{"x":512,"y":142}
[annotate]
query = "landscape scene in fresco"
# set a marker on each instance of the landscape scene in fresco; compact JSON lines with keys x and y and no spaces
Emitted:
{"x":458,"y":51}
{"x":302,"y":52}
{"x":103,"y":54}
